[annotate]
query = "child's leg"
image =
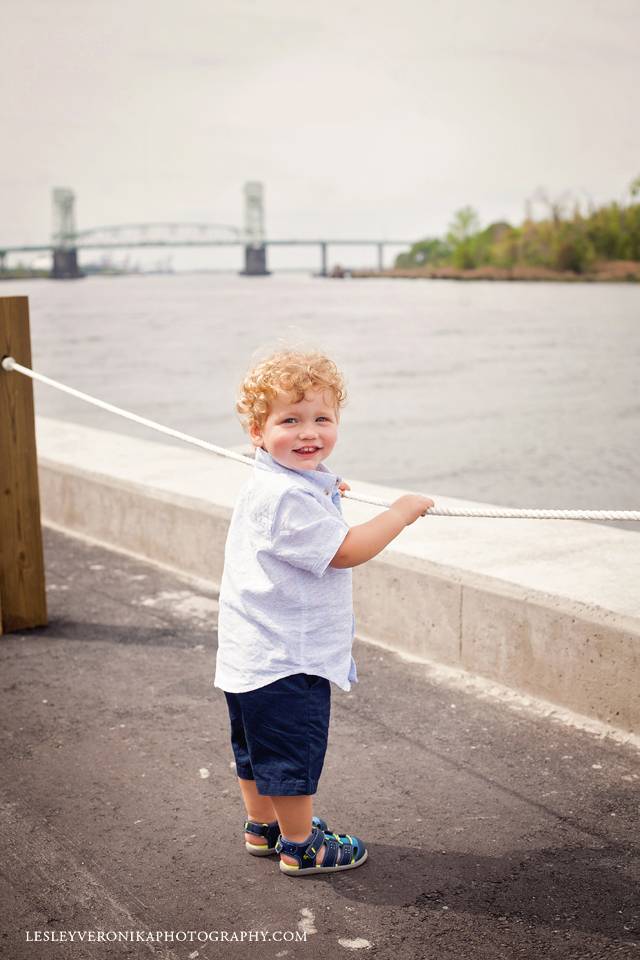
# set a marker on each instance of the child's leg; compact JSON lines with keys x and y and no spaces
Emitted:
{"x":258,"y":807}
{"x":296,"y":811}
{"x":294,"y":816}
{"x":295,"y":711}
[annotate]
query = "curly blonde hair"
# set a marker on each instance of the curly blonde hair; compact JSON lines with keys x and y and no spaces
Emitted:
{"x":287,"y":371}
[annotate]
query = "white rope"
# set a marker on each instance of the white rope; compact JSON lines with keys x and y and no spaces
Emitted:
{"x":10,"y":365}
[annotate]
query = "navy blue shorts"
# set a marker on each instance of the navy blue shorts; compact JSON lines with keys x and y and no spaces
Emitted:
{"x":279,"y":734}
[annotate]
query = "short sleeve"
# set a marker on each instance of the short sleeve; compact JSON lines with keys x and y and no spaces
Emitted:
{"x":304,"y":534}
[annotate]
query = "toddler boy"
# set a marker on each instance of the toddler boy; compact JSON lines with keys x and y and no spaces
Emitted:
{"x":286,"y":624}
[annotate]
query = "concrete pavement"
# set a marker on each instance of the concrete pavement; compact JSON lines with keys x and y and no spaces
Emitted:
{"x":494,"y":834}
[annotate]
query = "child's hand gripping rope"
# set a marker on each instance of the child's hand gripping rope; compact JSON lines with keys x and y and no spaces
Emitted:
{"x":410,"y":506}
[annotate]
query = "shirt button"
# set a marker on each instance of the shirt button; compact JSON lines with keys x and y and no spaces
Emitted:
{"x":327,"y":492}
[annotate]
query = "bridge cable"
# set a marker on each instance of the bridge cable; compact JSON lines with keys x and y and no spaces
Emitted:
{"x":10,"y":365}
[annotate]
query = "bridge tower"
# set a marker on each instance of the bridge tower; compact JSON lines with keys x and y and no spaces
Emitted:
{"x":255,"y":251}
{"x":65,"y":254}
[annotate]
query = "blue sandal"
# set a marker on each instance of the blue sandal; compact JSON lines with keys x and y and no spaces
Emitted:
{"x":270,"y":832}
{"x":343,"y":852}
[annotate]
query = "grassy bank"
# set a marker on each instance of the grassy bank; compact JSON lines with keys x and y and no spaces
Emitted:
{"x":611,"y":271}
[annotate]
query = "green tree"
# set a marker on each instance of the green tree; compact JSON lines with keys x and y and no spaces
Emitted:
{"x":430,"y":251}
{"x":461,"y":238}
{"x":565,"y":240}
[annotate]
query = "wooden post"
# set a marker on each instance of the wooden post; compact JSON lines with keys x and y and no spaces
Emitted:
{"x":22,"y":590}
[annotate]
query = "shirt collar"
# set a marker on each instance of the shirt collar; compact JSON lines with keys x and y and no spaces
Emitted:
{"x":322,"y":477}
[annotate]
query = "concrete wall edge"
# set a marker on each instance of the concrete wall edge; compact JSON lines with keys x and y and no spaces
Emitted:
{"x":582,"y":658}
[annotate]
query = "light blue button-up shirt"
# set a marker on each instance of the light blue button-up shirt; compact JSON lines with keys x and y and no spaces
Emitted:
{"x":282,"y":608}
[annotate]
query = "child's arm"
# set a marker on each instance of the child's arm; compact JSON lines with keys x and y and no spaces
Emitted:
{"x":368,"y":539}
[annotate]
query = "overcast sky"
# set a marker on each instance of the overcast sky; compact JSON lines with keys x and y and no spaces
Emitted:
{"x":361,"y":118}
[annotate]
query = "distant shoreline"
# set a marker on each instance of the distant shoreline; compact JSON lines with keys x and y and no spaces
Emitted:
{"x":613,"y":271}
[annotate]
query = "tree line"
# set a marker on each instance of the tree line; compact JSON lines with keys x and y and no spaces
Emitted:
{"x":562,"y":240}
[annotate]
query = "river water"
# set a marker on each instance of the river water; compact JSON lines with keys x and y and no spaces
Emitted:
{"x":521,"y":394}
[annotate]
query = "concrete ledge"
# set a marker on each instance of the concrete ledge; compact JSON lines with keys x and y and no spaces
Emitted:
{"x":548,"y":608}
{"x":179,"y":533}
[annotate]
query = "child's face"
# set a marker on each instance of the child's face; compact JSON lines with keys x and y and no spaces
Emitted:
{"x":312,"y":422}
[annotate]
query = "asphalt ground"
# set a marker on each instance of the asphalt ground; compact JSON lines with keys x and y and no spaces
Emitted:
{"x":492,"y":833}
